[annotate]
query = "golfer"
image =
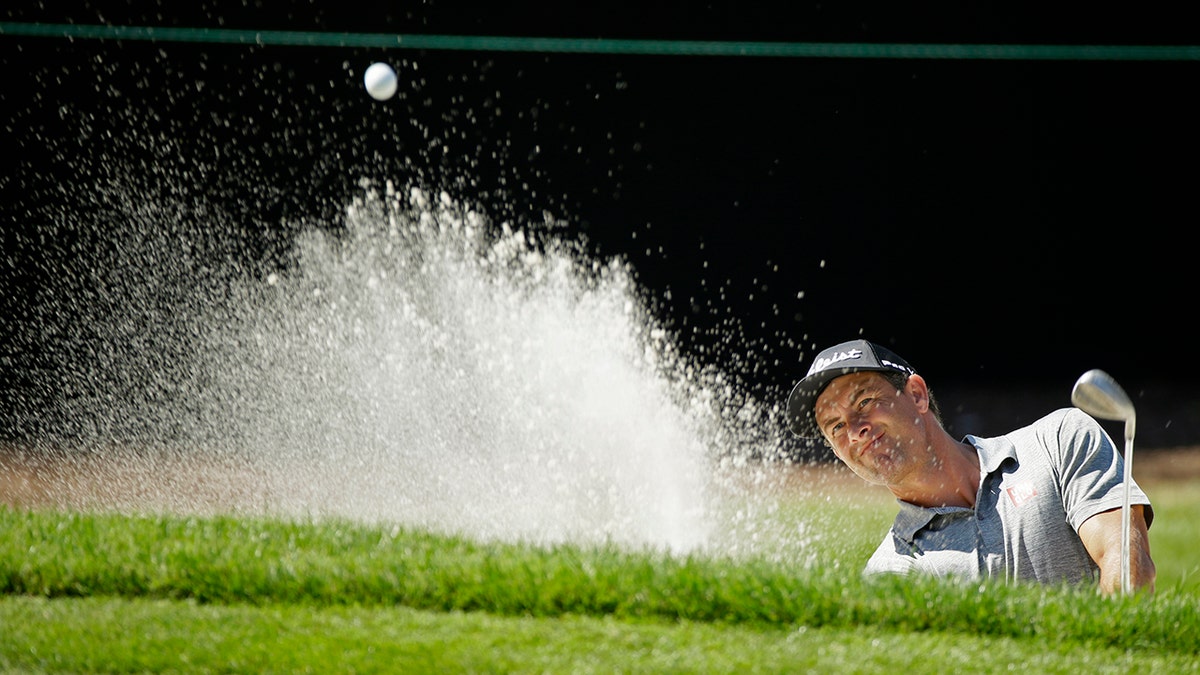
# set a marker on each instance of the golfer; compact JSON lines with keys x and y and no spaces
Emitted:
{"x":1042,"y":503}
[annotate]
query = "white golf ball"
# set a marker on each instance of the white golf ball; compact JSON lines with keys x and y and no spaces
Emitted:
{"x":380,"y":80}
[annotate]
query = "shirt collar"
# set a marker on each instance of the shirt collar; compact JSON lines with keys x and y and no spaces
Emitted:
{"x":992,"y":451}
{"x":992,"y":454}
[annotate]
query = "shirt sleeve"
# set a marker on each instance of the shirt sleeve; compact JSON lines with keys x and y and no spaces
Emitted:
{"x":1090,"y":470}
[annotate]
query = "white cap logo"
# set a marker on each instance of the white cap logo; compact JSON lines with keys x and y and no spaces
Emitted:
{"x":836,"y":357}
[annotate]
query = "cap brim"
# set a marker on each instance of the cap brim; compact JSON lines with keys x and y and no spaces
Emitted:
{"x":803,"y":399}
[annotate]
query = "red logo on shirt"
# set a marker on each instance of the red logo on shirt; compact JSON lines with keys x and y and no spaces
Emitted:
{"x":1021,"y":493}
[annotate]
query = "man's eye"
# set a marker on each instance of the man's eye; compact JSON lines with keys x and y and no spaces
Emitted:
{"x":865,"y":402}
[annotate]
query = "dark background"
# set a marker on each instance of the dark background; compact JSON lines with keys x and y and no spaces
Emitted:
{"x":1003,"y":224}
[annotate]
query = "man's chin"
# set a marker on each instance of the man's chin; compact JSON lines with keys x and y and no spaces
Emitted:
{"x":869,"y":476}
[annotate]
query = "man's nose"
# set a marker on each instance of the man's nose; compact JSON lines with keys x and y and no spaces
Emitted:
{"x":859,"y":426}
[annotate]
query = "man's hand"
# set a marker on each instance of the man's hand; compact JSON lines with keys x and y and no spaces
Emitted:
{"x":1101,"y":535}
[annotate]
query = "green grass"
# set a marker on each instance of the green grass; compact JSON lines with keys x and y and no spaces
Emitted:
{"x":1173,"y":536}
{"x":138,"y":635}
{"x":86,"y":592}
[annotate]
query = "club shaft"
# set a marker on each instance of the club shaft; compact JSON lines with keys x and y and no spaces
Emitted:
{"x":1126,"y":581}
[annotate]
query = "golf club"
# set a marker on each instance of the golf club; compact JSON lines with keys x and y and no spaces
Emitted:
{"x":1099,"y":395}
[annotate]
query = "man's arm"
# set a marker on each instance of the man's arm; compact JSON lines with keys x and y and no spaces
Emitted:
{"x":1101,"y":535}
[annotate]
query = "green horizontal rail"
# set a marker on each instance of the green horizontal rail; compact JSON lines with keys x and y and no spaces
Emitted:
{"x":823,"y":50}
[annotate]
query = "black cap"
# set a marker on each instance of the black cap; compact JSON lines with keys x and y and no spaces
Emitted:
{"x":848,"y":357}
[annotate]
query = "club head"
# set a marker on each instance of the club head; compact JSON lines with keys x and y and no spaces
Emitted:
{"x":1099,"y":395}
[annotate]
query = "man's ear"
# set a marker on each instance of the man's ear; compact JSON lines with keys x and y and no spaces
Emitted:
{"x":919,"y":391}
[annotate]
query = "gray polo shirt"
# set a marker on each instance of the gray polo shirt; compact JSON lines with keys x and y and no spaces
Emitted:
{"x":1038,"y":484}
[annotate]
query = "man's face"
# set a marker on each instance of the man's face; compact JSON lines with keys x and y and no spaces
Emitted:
{"x":874,"y":429}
